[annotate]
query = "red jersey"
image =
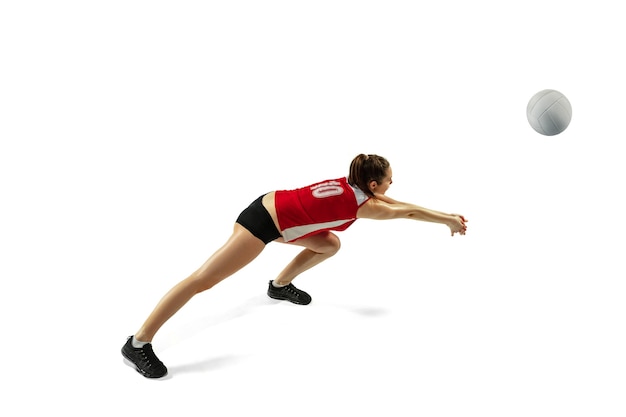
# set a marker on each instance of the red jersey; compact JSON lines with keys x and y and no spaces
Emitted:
{"x":326,"y":205}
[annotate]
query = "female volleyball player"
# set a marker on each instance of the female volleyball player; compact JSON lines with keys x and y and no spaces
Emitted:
{"x":304,"y":217}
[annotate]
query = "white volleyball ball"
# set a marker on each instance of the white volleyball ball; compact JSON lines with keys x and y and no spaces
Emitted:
{"x":549,"y":112}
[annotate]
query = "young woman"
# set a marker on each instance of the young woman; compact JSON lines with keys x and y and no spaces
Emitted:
{"x":305,"y":217}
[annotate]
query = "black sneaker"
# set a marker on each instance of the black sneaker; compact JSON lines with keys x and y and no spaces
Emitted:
{"x":144,"y":359}
{"x":289,"y":293}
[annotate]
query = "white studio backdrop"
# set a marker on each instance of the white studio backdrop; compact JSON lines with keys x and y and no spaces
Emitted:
{"x":133,"y":133}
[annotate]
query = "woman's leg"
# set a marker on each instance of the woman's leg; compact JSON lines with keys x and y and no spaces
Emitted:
{"x":240,"y":249}
{"x":318,"y":248}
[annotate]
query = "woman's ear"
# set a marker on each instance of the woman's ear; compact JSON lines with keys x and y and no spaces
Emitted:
{"x":373,"y":184}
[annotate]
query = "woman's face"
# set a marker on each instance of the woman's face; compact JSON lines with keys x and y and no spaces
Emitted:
{"x":382,"y":186}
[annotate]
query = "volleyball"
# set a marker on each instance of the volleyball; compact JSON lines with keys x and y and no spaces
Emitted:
{"x":549,"y":112}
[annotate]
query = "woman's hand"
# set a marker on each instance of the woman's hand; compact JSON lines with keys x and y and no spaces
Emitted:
{"x":457,"y":224}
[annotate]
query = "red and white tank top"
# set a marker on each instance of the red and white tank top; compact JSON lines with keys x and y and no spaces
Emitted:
{"x":326,"y":205}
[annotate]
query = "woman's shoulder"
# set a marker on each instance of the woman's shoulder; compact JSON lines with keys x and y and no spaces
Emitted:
{"x":371,"y":208}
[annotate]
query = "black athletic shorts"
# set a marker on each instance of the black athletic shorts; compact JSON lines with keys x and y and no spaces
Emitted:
{"x":258,"y":221}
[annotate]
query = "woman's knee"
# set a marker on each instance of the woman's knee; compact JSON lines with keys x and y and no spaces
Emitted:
{"x":331,"y":244}
{"x":198,"y":283}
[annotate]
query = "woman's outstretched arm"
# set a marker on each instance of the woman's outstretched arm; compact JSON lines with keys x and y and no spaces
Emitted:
{"x":385,"y":208}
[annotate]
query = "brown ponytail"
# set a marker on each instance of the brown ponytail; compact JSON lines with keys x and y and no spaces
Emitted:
{"x":366,"y":168}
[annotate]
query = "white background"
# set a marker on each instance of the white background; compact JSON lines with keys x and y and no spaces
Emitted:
{"x":134,"y":132}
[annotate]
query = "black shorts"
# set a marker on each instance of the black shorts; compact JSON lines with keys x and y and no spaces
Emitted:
{"x":256,"y":219}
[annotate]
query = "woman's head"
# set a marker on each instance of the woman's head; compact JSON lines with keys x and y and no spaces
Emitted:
{"x":371,"y":173}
